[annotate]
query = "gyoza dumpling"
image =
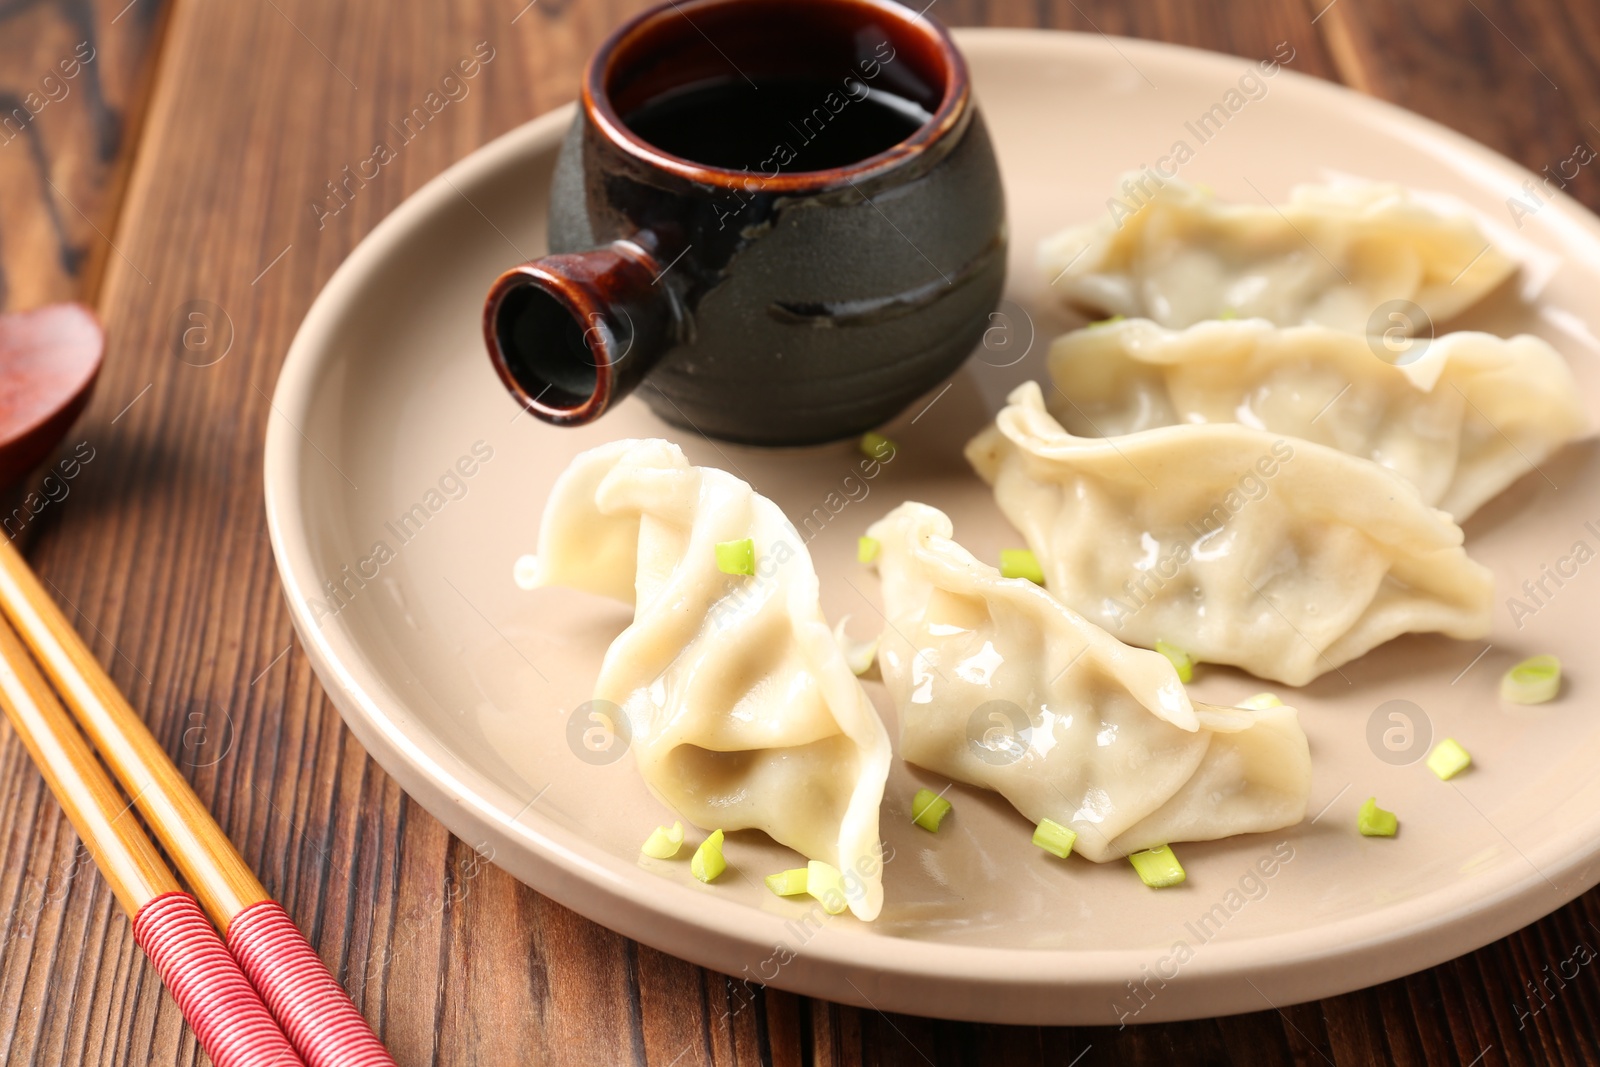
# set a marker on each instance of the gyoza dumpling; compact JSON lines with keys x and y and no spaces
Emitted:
{"x":1331,"y":255}
{"x":1240,"y":546}
{"x":743,"y":711}
{"x":1463,"y":417}
{"x":1099,"y":737}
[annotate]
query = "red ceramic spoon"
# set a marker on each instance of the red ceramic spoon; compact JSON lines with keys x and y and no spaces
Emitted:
{"x":49,"y":359}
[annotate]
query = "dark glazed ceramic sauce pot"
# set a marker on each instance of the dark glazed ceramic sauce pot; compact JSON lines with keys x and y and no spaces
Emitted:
{"x":782,"y":217}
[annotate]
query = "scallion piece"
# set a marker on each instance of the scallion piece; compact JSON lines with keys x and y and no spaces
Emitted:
{"x":1055,"y":838}
{"x":824,"y":882}
{"x":877,"y":446}
{"x":1180,"y":660}
{"x":1021,"y":563}
{"x":858,"y":654}
{"x":1448,"y":759}
{"x":1228,"y":314}
{"x":736,"y":557}
{"x":1373,"y":821}
{"x":1259,"y":702}
{"x":790,"y":883}
{"x":1533,"y":681}
{"x":928,"y":810}
{"x":1113,"y":320}
{"x":867,"y":549}
{"x":708,"y":862}
{"x":1158,"y":868}
{"x":664,"y":842}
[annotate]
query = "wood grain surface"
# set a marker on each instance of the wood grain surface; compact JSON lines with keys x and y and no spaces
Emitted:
{"x":218,"y":204}
{"x":74,"y":76}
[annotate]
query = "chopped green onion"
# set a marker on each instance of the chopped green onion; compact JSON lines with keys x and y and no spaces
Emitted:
{"x":1448,"y":759}
{"x":1055,"y":838}
{"x":877,"y":446}
{"x":1373,"y":821}
{"x":1113,"y":320}
{"x":663,"y":843}
{"x":790,"y":883}
{"x":867,"y":549}
{"x":928,"y":810}
{"x":857,"y":654}
{"x":1533,"y":681}
{"x":1021,"y":563}
{"x":736,"y":557}
{"x":824,"y":882}
{"x":1158,"y":868}
{"x":1228,"y":314}
{"x":708,"y":861}
{"x":1180,"y":660}
{"x":1260,"y":702}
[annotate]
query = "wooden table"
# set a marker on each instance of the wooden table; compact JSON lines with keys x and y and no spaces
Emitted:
{"x":176,"y":171}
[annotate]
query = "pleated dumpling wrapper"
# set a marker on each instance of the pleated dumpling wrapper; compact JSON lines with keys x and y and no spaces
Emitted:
{"x":1237,"y":545}
{"x":1461,"y":417}
{"x":1333,"y":255}
{"x":744,"y":713}
{"x":1094,"y":734}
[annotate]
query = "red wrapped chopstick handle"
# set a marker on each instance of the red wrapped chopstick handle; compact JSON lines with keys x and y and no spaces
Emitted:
{"x":217,"y":1000}
{"x":313,"y":1009}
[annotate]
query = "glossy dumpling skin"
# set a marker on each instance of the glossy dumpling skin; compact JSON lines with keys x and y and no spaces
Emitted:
{"x":1462,"y":418}
{"x":1112,"y":747}
{"x":743,"y":710}
{"x":1240,"y":546}
{"x":1331,"y":256}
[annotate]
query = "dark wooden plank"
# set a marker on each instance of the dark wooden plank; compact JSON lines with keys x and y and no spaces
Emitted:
{"x":74,"y":76}
{"x":161,"y":548}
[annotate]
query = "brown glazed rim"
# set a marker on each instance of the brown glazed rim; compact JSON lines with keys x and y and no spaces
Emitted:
{"x":596,"y":104}
{"x":582,"y":308}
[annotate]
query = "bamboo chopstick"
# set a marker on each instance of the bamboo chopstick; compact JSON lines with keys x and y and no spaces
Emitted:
{"x":220,"y":1004}
{"x":313,"y":1008}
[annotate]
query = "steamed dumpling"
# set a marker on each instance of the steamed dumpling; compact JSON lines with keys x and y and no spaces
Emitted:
{"x":1332,"y":255}
{"x":1095,"y":735}
{"x":1241,"y":546}
{"x":1463,"y":417}
{"x":744,"y":713}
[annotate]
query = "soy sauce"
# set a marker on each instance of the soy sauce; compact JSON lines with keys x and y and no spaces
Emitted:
{"x":777,"y":125}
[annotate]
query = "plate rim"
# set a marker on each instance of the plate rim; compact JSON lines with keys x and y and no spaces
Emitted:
{"x":1018,"y":985}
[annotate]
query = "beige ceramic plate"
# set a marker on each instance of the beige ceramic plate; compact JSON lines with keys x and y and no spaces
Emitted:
{"x":462,"y":686}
